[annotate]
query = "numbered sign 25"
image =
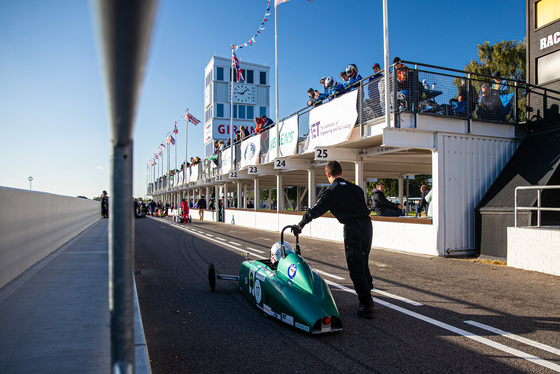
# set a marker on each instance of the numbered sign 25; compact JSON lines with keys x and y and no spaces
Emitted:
{"x":321,"y":153}
{"x":252,"y":170}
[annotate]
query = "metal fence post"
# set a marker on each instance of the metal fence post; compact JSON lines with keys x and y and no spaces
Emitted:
{"x":125,"y":28}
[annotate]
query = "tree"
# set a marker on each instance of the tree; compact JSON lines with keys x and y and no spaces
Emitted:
{"x":509,"y":58}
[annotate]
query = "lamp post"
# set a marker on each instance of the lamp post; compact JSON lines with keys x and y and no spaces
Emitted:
{"x":30,"y":179}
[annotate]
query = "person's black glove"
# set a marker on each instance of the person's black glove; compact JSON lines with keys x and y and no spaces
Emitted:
{"x":296,"y":229}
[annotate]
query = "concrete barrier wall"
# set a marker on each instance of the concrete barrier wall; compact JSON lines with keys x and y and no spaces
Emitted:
{"x":401,"y":236}
{"x":35,"y":224}
{"x":532,"y":248}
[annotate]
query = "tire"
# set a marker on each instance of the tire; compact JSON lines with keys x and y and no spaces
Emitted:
{"x":212,"y":276}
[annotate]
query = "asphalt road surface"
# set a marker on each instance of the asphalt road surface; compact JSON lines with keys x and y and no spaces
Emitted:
{"x":433,"y":315}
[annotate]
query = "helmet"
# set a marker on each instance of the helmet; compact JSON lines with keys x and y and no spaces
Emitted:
{"x":276,"y":251}
{"x":330,"y":82}
{"x":351,"y":70}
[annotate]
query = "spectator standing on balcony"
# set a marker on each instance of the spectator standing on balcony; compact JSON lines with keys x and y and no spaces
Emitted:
{"x":490,"y":105}
{"x":404,"y":81}
{"x":312,"y":100}
{"x":333,"y":86}
{"x":259,"y":124}
{"x":499,"y":85}
{"x":353,"y":76}
{"x":244,"y":132}
{"x":267,"y":122}
{"x":374,"y":100}
{"x":201,"y":205}
{"x":346,"y":202}
{"x":462,"y":94}
{"x":382,"y":206}
{"x":185,"y":210}
{"x":104,"y":205}
{"x":343,"y":77}
{"x":324,"y":84}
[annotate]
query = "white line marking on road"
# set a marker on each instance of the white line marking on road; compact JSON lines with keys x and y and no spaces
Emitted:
{"x":213,"y":240}
{"x":210,"y":235}
{"x":253,"y":249}
{"x":220,"y":239}
{"x":393,"y":296}
{"x":521,"y":339}
{"x":445,"y":326}
{"x":458,"y":331}
{"x":234,"y":243}
{"x":328,"y":274}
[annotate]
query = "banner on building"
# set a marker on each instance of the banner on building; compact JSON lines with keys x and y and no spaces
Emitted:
{"x":250,"y":151}
{"x":288,"y":134}
{"x":332,"y":123}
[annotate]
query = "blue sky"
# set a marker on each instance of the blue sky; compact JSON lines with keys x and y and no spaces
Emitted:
{"x":53,"y":113}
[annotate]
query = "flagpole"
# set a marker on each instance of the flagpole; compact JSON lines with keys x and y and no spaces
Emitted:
{"x":386,"y":62}
{"x":186,"y":137}
{"x":276,"y":77}
{"x":232,"y":163}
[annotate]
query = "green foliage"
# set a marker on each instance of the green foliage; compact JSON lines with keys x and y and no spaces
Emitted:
{"x":82,"y":197}
{"x":509,"y":58}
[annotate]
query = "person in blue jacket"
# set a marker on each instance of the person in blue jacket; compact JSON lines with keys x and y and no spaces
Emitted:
{"x":353,"y":76}
{"x":333,"y":86}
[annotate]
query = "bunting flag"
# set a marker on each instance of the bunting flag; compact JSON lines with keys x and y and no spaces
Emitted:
{"x":155,"y":155}
{"x":278,"y":2}
{"x":259,"y":31}
{"x":163,"y":145}
{"x":175,"y":129}
{"x":235,"y":64}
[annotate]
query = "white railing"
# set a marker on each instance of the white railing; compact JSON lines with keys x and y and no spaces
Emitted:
{"x":538,"y":208}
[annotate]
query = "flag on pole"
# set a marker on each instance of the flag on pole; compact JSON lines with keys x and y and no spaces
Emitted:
{"x":235,"y":64}
{"x":163,"y":145}
{"x":167,"y":140}
{"x":171,"y":139}
{"x":190,"y":118}
{"x":278,"y":2}
{"x":175,"y":129}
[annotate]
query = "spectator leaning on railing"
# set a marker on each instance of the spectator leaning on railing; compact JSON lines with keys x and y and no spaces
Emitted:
{"x":353,"y":76}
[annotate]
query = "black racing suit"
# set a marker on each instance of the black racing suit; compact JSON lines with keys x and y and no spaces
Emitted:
{"x":346,"y":202}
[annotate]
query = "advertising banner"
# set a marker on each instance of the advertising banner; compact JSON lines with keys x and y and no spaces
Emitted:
{"x":250,"y":150}
{"x":332,"y":123}
{"x":226,"y":161}
{"x":288,"y":135}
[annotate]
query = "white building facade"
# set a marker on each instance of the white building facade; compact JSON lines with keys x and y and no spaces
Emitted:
{"x":251,"y":98}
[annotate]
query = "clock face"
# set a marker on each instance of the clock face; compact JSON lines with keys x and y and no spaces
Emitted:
{"x":243,"y":93}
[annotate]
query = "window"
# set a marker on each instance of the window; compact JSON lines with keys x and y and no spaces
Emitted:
{"x":547,"y":67}
{"x":241,"y":111}
{"x":219,"y":110}
{"x":208,"y":114}
{"x":234,"y":111}
{"x":208,"y":79}
{"x":219,"y":73}
{"x":546,"y":11}
{"x":263,"y":111}
{"x":263,"y":77}
{"x":249,"y":77}
{"x":250,"y":112}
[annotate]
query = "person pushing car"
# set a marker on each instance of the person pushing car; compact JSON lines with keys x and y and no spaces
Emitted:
{"x":346,"y":202}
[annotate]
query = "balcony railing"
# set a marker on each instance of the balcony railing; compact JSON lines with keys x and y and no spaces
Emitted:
{"x":427,"y":91}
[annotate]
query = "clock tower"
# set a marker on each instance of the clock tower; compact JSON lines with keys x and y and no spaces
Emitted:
{"x":250,"y":98}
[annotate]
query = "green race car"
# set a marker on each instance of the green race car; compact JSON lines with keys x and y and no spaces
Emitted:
{"x":287,"y":288}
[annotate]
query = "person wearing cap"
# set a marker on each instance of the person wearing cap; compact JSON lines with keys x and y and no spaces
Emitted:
{"x":499,"y":85}
{"x":373,"y":90}
{"x":405,"y":81}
